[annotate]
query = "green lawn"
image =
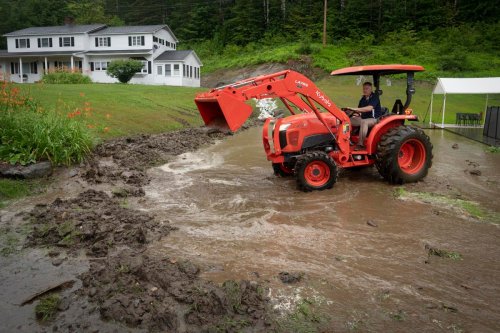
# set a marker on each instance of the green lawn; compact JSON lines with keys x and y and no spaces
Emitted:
{"x":133,"y":109}
{"x":124,"y":109}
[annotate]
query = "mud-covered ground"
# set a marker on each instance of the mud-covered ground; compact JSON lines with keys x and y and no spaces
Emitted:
{"x":190,"y":232}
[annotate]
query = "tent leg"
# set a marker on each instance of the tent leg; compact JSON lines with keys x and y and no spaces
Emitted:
{"x":432,"y":100}
{"x":444,"y":110}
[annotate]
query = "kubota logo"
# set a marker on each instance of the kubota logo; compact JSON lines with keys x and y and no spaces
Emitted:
{"x":301,"y":84}
{"x":323,"y":98}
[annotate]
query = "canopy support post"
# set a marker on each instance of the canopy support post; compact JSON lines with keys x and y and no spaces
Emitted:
{"x":432,"y":101}
{"x":444,"y":110}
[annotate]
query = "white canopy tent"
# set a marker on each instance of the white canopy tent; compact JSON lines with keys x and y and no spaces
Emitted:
{"x":444,"y":86}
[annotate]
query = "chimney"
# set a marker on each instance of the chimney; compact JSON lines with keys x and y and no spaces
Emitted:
{"x":69,"y":20}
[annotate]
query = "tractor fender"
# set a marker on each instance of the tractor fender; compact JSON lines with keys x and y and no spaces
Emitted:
{"x":382,"y":127}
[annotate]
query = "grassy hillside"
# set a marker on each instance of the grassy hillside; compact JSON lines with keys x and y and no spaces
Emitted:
{"x":464,"y":51}
{"x":133,"y":109}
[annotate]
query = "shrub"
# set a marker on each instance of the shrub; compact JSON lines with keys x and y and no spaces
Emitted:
{"x":29,"y":134}
{"x":65,"y":77}
{"x":124,"y":70}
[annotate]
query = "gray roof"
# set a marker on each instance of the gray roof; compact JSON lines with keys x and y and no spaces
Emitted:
{"x":5,"y":54}
{"x":57,"y":30}
{"x":177,"y":55}
{"x":97,"y":52}
{"x":134,"y":29}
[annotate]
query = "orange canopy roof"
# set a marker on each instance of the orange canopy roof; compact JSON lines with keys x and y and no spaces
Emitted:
{"x":378,"y":69}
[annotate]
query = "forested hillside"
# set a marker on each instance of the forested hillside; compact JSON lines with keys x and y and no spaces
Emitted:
{"x":449,"y":36}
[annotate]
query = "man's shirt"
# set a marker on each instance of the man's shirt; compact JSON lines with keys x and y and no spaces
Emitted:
{"x":374,"y":101}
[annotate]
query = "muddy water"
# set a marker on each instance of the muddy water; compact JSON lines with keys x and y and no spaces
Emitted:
{"x":239,"y":221}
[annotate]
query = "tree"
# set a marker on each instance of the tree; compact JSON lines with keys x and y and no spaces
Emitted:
{"x":124,"y":70}
{"x":92,"y":11}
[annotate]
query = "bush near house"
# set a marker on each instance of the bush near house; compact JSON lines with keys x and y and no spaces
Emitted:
{"x":29,"y":133}
{"x":124,"y":70}
{"x":65,"y":76}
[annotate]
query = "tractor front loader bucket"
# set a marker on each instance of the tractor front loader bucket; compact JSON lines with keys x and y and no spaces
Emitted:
{"x":221,"y":110}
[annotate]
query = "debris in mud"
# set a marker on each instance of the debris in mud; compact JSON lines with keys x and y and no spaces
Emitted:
{"x":455,"y":146}
{"x":47,"y":308}
{"x":475,"y":172}
{"x":159,"y":294}
{"x":56,"y":287}
{"x":434,"y":251}
{"x":30,"y":171}
{"x":372,"y":223}
{"x":291,"y":277}
{"x":92,"y":221}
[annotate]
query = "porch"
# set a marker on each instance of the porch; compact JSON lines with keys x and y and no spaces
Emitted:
{"x":28,"y":67}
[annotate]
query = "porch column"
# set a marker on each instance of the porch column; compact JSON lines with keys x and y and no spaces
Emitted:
{"x":46,"y":66}
{"x":72,"y":64}
{"x":21,"y":69}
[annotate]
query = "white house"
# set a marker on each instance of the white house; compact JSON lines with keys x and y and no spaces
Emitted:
{"x":90,"y":48}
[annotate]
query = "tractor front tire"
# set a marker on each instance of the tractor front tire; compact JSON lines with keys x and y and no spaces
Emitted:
{"x":404,"y":155}
{"x":315,"y":171}
{"x":283,"y":169}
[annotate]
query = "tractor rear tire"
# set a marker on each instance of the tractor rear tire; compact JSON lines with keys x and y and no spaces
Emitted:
{"x":283,"y":169}
{"x":315,"y":171}
{"x":404,"y":155}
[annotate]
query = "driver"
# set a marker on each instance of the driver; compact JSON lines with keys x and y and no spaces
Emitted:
{"x":366,"y":114}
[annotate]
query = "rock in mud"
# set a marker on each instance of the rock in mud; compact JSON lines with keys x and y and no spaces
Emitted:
{"x":92,"y":221}
{"x":372,"y":223}
{"x":290,"y":277}
{"x":31,"y":171}
{"x":156,"y":294}
{"x":475,"y":172}
{"x":455,"y":146}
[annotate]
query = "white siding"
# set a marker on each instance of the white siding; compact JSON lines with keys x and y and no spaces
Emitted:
{"x":80,"y":43}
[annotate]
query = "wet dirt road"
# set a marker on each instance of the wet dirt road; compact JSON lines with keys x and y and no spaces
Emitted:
{"x":238,"y":221}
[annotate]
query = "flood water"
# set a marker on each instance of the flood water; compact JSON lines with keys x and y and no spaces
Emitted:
{"x":239,"y":221}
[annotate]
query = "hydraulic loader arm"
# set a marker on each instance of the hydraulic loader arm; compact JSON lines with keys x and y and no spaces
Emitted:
{"x":225,"y":106}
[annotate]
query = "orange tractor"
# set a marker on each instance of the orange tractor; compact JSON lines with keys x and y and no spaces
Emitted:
{"x":318,"y":138}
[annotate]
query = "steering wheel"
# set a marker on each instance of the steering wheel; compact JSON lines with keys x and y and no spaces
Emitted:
{"x":350,"y":112}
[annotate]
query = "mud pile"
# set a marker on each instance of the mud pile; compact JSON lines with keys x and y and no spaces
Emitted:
{"x":95,"y":222}
{"x":160,"y":294}
{"x":124,"y":160}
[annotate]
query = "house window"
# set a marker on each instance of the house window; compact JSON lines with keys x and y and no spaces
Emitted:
{"x":159,"y":70}
{"x":103,"y":41}
{"x":14,"y":68}
{"x":136,"y":41}
{"x":99,"y":66}
{"x":183,"y":70}
{"x":177,"y":70}
{"x":174,"y":46}
{"x":22,"y":43}
{"x":191,"y":71}
{"x":66,"y":41}
{"x":155,"y":39}
{"x":168,"y":70}
{"x":44,"y":42}
{"x":33,"y":68}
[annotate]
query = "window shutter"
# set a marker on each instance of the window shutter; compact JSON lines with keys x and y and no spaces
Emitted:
{"x":39,"y":43}
{"x":72,"y":41}
{"x":50,"y":42}
{"x":35,"y":67}
{"x":80,"y":64}
{"x":143,"y":41}
{"x":28,"y":43}
{"x":91,"y":66}
{"x":109,"y":41}
{"x":149,"y":67}
{"x":129,"y":41}
{"x":60,"y":41}
{"x":96,"y":42}
{"x":17,"y":45}
{"x":12,"y":66}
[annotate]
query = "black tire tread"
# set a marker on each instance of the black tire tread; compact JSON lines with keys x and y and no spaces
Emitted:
{"x":388,"y":149}
{"x":306,"y":159}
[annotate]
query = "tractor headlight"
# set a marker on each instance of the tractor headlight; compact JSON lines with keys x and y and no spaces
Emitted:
{"x":284,"y":127}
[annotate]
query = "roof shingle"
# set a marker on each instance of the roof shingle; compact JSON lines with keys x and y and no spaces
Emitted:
{"x":56,"y":30}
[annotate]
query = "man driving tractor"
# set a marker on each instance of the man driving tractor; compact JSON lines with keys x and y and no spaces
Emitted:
{"x":366,"y":114}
